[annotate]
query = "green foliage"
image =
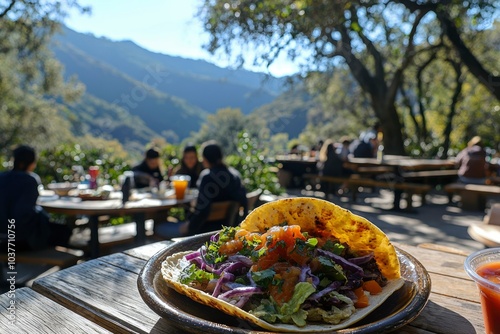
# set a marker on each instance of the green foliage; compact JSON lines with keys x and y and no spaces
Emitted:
{"x":31,"y":79}
{"x":56,"y":164}
{"x":250,"y":162}
{"x":225,"y":126}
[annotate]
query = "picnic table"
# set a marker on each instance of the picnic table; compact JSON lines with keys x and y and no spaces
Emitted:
{"x":297,"y":166}
{"x":113,"y":207}
{"x":405,"y":163}
{"x":102,"y":294}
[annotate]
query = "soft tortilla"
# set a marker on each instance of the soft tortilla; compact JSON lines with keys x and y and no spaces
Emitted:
{"x":317,"y":217}
{"x":171,"y":271}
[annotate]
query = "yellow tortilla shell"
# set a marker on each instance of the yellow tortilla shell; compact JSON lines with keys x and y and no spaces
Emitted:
{"x":317,"y":216}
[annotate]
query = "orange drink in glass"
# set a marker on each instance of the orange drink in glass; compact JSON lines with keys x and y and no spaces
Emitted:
{"x":180,"y":184}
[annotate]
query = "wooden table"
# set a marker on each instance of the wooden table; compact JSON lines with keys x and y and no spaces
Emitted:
{"x":112,"y":207}
{"x":405,"y":163}
{"x":297,"y":167}
{"x":104,"y":291}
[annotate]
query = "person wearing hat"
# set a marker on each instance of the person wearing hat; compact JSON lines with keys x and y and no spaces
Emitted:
{"x":471,"y":162}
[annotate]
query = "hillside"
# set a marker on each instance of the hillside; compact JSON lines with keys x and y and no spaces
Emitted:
{"x":146,"y":93}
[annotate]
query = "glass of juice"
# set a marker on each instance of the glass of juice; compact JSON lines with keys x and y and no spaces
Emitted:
{"x":484,"y":268}
{"x":180,"y":183}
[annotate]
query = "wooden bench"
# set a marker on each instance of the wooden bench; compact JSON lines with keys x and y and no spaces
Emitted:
{"x":50,"y":256}
{"x":355,"y":181}
{"x":442,"y":176}
{"x":472,"y":196}
{"x":109,"y":236}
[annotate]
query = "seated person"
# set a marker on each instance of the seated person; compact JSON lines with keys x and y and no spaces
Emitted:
{"x":18,"y":196}
{"x":330,"y":163}
{"x":367,"y":147}
{"x":217,"y":183}
{"x":471,"y":163}
{"x":190,"y":165}
{"x":147,"y":173}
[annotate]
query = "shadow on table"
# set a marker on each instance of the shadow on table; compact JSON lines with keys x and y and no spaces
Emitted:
{"x":437,"y":318}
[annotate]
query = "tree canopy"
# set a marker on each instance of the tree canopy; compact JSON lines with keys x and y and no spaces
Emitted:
{"x":377,"y":41}
{"x":31,"y":79}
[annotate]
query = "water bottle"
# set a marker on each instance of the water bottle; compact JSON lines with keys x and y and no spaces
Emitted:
{"x":126,"y":190}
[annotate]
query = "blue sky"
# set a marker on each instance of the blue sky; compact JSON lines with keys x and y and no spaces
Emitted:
{"x":167,"y":26}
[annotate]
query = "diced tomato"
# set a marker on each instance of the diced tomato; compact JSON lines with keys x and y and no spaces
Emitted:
{"x":362,"y":298}
{"x":266,"y":261}
{"x":231,"y":247}
{"x":285,"y":280}
{"x":372,"y":287}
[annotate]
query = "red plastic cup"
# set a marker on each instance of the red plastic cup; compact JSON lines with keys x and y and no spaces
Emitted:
{"x":484,"y":268}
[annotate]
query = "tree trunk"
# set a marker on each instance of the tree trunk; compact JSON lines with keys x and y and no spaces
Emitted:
{"x":387,"y":113}
{"x":453,"y":106}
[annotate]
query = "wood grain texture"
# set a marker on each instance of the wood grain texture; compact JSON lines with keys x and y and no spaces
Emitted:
{"x":38,"y":314}
{"x":147,"y":251}
{"x":438,"y":262}
{"x":104,"y":293}
{"x":444,"y":314}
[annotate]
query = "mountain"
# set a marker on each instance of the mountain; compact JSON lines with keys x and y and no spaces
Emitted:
{"x":133,"y":94}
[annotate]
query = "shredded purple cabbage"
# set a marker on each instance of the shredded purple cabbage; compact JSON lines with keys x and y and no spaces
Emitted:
{"x":345,"y":264}
{"x":334,"y":286}
{"x":361,"y":260}
{"x":224,"y":277}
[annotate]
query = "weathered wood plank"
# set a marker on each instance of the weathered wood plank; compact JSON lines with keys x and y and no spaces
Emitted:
{"x":438,"y":262}
{"x":125,"y":262}
{"x":106,"y":294}
{"x":455,"y":287}
{"x":35,"y":313}
{"x":449,"y":315}
{"x":147,"y":251}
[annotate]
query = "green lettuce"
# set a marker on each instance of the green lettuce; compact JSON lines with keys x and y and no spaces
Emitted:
{"x":289,"y":312}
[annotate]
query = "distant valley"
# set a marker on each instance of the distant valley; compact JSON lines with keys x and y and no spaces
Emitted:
{"x":133,"y":94}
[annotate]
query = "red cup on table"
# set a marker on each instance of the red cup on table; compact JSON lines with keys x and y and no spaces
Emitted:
{"x":484,"y":268}
{"x":93,"y":172}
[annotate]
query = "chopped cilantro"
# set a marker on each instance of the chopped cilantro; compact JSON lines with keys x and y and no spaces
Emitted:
{"x":192,"y":273}
{"x":312,"y":242}
{"x":264,"y":277}
{"x":325,"y":281}
{"x":331,"y":269}
{"x":334,"y":247}
{"x":284,"y":224}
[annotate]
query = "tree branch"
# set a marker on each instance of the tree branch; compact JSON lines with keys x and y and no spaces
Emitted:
{"x":8,"y":8}
{"x":486,"y":78}
{"x":358,"y":69}
{"x":377,"y":57}
{"x":408,"y":56}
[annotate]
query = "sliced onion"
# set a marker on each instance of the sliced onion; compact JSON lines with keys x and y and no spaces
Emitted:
{"x":239,"y":292}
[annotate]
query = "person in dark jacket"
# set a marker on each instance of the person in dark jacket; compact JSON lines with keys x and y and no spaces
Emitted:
{"x":18,"y":196}
{"x":217,"y":183}
{"x":148,"y":173}
{"x":471,"y":161}
{"x":190,"y":165}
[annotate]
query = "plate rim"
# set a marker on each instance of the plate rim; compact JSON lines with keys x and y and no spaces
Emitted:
{"x":181,"y":319}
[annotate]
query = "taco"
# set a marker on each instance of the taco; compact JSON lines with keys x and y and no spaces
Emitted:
{"x":293,"y":265}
